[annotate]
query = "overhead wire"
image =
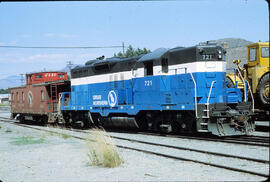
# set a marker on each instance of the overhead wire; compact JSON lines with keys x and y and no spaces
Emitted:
{"x":61,"y":47}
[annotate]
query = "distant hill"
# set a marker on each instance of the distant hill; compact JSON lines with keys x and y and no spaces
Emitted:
{"x":15,"y":80}
{"x":67,"y":69}
{"x":11,"y":81}
{"x":236,"y":49}
{"x":233,"y":42}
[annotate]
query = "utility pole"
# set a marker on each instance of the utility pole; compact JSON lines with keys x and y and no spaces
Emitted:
{"x":123,"y":47}
{"x":22,"y":79}
{"x":69,"y":65}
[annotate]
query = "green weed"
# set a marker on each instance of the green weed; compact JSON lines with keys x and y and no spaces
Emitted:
{"x":65,"y":136}
{"x":8,"y":130}
{"x":26,"y":140}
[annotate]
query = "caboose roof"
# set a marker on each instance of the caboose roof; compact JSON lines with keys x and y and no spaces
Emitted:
{"x":33,"y":73}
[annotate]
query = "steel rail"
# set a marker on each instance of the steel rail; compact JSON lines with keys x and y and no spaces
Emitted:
{"x":222,"y":140}
{"x":181,"y":148}
{"x":262,"y":140}
{"x":206,"y":138}
{"x":155,"y":153}
{"x":232,"y":141}
{"x":194,"y":150}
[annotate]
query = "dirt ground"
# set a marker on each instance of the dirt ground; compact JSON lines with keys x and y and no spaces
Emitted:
{"x":30,"y":155}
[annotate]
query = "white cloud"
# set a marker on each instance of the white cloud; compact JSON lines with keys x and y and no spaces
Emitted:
{"x":13,"y":42}
{"x":44,"y":58}
{"x":66,"y":35}
{"x":61,"y":35}
{"x":26,"y":36}
{"x":49,"y":35}
{"x":54,"y":58}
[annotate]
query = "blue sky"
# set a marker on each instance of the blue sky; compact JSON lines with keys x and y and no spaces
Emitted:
{"x":151,"y":24}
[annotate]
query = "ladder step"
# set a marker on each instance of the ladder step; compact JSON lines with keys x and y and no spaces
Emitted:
{"x":205,"y":131}
{"x":206,"y":110}
{"x":205,"y":117}
{"x":204,"y":124}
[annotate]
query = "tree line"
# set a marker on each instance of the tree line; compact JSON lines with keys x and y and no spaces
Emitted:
{"x":131,"y":52}
{"x":5,"y":91}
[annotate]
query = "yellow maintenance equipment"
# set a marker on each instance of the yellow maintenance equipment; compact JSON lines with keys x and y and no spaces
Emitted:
{"x":256,"y":73}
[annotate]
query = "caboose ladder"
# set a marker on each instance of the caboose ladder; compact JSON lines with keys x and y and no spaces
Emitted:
{"x":53,"y":91}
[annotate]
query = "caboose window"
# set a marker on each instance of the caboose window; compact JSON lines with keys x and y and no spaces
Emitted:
{"x":61,"y":75}
{"x":164,"y":65}
{"x":23,"y":96}
{"x":38,"y":76}
{"x":42,"y":95}
{"x":148,"y":68}
{"x":30,"y":98}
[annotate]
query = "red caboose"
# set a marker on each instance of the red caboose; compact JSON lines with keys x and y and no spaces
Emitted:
{"x":39,"y":99}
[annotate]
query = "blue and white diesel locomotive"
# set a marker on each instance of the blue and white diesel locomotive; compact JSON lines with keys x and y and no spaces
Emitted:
{"x":179,"y":90}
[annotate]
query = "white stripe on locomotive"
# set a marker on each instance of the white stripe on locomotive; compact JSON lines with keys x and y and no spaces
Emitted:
{"x":194,"y":67}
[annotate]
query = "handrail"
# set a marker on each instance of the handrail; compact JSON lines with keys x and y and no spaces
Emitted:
{"x":252,"y":98}
{"x":195,"y":93}
{"x":207,"y":103}
{"x":59,"y":103}
{"x":195,"y":86}
{"x":245,"y":91}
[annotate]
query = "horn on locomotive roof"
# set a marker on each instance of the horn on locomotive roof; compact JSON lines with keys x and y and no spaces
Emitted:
{"x":101,"y":57}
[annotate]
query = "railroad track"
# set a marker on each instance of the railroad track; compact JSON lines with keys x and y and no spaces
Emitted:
{"x":242,"y":140}
{"x":167,"y":148}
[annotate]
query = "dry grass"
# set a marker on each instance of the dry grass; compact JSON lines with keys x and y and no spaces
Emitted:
{"x":61,"y":132}
{"x":102,"y":150}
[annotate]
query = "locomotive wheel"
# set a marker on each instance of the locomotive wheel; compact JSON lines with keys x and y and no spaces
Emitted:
{"x":21,"y":118}
{"x":264,"y":90}
{"x":229,"y":82}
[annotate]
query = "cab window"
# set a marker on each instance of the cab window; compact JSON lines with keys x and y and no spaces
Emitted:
{"x":252,"y":54}
{"x":265,"y":52}
{"x":164,"y":65}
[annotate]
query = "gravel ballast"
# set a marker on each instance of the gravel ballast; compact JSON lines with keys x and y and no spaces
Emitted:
{"x":56,"y":158}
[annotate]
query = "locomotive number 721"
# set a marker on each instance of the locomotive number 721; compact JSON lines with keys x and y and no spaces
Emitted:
{"x":148,"y":83}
